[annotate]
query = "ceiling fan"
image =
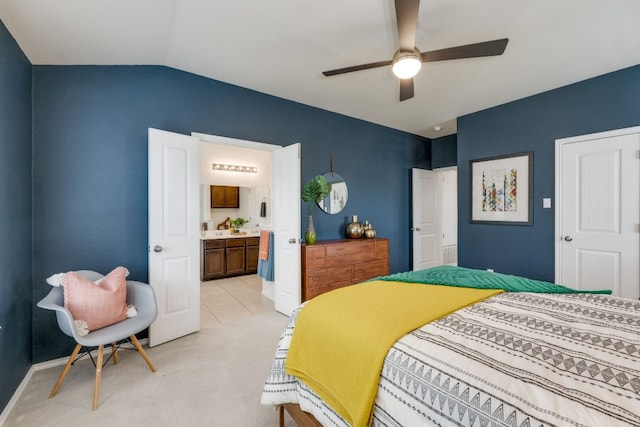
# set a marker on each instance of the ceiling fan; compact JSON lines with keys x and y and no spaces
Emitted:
{"x":407,"y":60}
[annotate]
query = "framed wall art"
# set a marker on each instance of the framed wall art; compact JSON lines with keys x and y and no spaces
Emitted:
{"x":501,"y":189}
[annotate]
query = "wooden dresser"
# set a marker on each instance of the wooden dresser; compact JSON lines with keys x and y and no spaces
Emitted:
{"x":332,"y":264}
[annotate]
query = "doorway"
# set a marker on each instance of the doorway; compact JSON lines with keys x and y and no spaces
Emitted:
{"x":174,"y":231}
{"x":285,"y":217}
{"x":598,"y":212}
{"x":435,"y":217}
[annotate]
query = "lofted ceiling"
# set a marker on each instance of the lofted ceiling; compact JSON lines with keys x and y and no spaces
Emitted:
{"x":281,"y":47}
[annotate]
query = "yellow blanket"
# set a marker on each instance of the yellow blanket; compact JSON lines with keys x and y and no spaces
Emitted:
{"x":342,"y":337}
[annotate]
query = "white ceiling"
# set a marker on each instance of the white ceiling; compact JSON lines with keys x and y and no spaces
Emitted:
{"x":280,"y":47}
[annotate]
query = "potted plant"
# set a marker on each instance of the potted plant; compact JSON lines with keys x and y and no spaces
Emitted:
{"x":313,"y":192}
{"x":236,"y":224}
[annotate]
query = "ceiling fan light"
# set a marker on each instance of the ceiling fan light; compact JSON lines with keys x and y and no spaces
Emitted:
{"x":405,"y":67}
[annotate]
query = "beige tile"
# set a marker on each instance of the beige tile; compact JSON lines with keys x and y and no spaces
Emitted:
{"x":207,"y":319}
{"x":264,"y":305}
{"x":231,"y":299}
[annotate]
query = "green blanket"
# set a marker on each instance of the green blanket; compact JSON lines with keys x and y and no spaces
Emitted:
{"x":480,"y":279}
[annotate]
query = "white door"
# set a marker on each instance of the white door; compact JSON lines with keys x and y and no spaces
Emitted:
{"x":427,"y":222}
{"x":286,"y":221}
{"x":174,"y":234}
{"x":599,"y":212}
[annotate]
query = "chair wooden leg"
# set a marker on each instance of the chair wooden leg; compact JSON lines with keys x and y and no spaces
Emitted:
{"x":96,"y":387}
{"x":142,"y":352}
{"x":114,"y":352}
{"x":63,"y":374}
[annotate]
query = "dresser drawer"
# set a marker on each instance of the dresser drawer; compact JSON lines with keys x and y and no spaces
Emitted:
{"x":253,"y":241}
{"x":369,"y":270}
{"x":356,"y":246}
{"x":382,"y":249}
{"x":310,"y":293}
{"x":349,"y":258}
{"x":314,"y":257}
{"x":322,"y":278}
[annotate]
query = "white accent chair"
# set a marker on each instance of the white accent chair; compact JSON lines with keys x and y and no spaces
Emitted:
{"x":139,"y":294}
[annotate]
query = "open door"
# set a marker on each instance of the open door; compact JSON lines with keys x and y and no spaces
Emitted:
{"x":174,"y":234}
{"x":286,"y":221}
{"x":427,"y":219}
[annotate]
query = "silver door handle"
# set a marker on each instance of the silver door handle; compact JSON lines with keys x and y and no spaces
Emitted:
{"x":157,"y":248}
{"x":293,"y":240}
{"x":568,"y":238}
{"x":415,"y":228}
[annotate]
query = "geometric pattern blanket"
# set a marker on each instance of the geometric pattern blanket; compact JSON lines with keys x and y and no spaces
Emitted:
{"x":515,"y":359}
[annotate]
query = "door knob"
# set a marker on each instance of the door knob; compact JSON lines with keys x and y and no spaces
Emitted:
{"x":293,"y":240}
{"x":568,"y":238}
{"x":415,"y":228}
{"x":157,"y":248}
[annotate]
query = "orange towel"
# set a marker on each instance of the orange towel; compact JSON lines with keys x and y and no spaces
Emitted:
{"x":264,"y":245}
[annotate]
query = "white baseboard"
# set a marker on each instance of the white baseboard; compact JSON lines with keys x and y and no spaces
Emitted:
{"x":38,"y":367}
{"x":268,"y":289}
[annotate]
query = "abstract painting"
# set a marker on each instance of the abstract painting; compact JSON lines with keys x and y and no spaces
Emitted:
{"x":501,"y":189}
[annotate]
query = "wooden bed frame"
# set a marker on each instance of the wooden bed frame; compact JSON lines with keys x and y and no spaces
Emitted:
{"x":303,"y":419}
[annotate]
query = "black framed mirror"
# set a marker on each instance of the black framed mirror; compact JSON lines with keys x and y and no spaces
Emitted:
{"x":338,"y":195}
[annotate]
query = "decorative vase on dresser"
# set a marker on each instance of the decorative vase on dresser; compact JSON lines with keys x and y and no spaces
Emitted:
{"x":310,"y":234}
{"x":354,"y":229}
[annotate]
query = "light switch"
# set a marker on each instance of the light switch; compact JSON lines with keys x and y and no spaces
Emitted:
{"x":546,"y":203}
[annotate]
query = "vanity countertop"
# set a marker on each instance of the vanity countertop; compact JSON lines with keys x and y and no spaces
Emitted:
{"x":226,"y":234}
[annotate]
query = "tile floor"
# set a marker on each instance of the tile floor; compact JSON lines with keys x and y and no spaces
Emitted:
{"x":230,"y":299}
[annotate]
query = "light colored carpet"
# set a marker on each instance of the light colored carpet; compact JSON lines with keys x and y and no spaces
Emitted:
{"x":210,"y":378}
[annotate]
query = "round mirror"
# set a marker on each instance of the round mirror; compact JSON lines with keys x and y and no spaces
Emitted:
{"x":338,"y":194}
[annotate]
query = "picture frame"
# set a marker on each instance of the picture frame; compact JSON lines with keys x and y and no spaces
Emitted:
{"x":501,"y":189}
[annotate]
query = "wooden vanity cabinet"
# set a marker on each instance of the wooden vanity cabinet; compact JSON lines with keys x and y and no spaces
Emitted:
{"x":229,"y":257}
{"x":252,"y":251}
{"x":333,"y":264}
{"x":212,"y":265}
{"x":225,"y":196}
{"x":235,"y":256}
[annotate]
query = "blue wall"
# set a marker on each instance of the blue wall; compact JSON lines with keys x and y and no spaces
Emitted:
{"x":611,"y":101}
{"x":444,"y":151}
{"x":90,"y":165}
{"x":15,"y":216}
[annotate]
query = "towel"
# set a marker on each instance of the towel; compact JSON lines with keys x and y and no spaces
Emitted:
{"x":264,"y":245}
{"x":265,"y":266}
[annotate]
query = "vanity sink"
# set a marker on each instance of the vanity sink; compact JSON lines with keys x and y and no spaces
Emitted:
{"x":227,"y":234}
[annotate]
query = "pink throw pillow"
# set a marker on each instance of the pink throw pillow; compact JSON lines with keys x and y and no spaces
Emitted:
{"x":96,"y":305}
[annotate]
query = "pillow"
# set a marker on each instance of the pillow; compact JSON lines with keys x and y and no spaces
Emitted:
{"x":95,"y":305}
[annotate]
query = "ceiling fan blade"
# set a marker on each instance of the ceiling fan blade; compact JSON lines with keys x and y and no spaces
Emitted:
{"x":406,"y":89}
{"x":407,"y":20}
{"x":356,"y":68}
{"x":490,"y":48}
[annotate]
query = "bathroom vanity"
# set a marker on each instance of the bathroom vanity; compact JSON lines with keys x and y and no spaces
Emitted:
{"x":224,"y":254}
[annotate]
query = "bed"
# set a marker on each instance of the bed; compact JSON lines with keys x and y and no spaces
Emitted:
{"x":527,"y":354}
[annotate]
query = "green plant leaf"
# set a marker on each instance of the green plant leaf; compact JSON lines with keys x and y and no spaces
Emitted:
{"x":314,"y":191}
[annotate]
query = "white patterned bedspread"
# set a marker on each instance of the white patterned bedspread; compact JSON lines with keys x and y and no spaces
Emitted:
{"x":516,"y":359}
